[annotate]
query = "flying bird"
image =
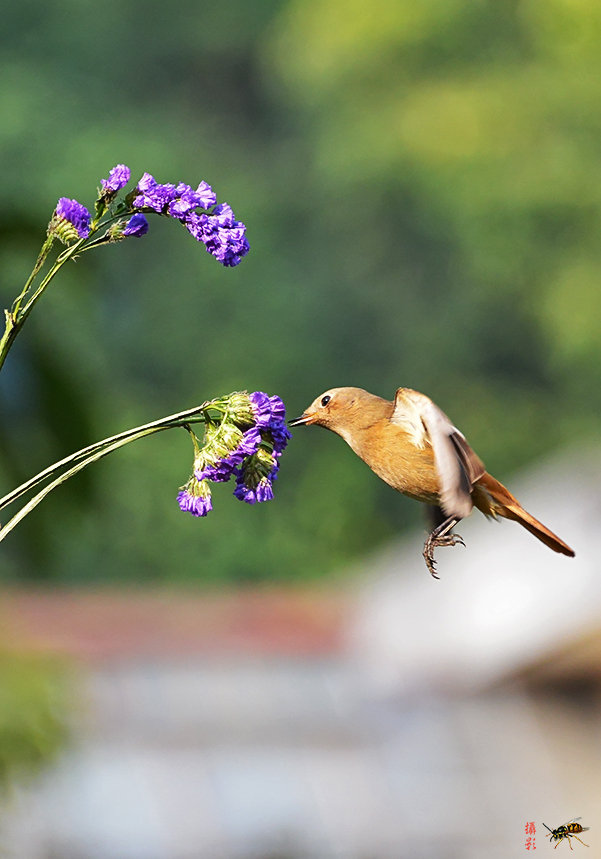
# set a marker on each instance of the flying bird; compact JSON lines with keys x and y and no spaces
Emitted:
{"x":414,"y":447}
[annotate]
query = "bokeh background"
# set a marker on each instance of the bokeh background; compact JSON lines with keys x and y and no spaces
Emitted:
{"x":421,"y":184}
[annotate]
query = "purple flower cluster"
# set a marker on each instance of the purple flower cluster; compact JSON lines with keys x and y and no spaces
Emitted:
{"x":254,"y":480}
{"x":196,"y":208}
{"x":177,"y":201}
{"x":136,"y":226}
{"x":195,"y":498}
{"x":268,"y":411}
{"x":72,"y":220}
{"x":251,"y":455}
{"x":253,"y":487}
{"x":117,"y":179}
{"x":270,"y":418}
{"x":223,"y":236}
{"x":225,"y":467}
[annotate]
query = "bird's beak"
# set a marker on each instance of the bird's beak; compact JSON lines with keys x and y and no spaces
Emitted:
{"x":305,"y":418}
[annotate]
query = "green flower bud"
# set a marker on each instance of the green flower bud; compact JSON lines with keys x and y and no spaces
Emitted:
{"x":240,"y":409}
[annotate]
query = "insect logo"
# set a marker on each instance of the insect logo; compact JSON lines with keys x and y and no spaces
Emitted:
{"x":567,"y":831}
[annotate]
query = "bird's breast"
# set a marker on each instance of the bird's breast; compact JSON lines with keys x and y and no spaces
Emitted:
{"x":392,"y":454}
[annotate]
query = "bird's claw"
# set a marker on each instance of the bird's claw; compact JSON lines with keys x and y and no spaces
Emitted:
{"x":434,"y":542}
{"x":428,"y":554}
{"x":451,"y":540}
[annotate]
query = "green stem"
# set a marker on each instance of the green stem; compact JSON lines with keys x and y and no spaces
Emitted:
{"x":38,"y":265}
{"x":16,"y":316}
{"x":89,"y":453}
{"x":27,"y":508}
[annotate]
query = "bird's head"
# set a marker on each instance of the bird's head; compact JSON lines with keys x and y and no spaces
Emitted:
{"x":335,"y":409}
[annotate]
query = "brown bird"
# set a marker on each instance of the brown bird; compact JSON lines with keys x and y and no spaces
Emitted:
{"x":414,"y":447}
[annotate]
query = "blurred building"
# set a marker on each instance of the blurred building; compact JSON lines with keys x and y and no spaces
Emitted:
{"x":403,"y":717}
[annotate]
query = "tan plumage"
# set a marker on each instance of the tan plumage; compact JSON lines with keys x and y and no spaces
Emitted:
{"x":414,"y":447}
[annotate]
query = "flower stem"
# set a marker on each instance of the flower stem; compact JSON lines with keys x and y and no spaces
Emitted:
{"x":16,"y":316}
{"x":27,"y":508}
{"x":38,"y":265}
{"x":94,"y":451}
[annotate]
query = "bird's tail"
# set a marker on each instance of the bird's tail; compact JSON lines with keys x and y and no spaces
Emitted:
{"x":500,"y":502}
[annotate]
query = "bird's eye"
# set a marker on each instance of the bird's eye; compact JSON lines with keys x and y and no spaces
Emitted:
{"x":325,"y":400}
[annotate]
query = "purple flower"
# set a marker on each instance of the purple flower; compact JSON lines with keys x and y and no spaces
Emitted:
{"x":206,"y":196}
{"x":224,"y":215}
{"x":195,"y":224}
{"x":250,"y":442}
{"x":152,"y":195}
{"x":268,"y":411}
{"x":270,"y":415}
{"x":136,"y":226}
{"x":146,"y":183}
{"x":117,"y":179}
{"x":233,"y":256}
{"x":280,"y":435}
{"x":264,"y":491}
{"x":261,"y":407}
{"x":261,"y":491}
{"x":278,"y":409}
{"x":251,"y":455}
{"x":187,"y":199}
{"x":221,"y":471}
{"x":75,"y":214}
{"x":223,"y":236}
{"x":197,"y":505}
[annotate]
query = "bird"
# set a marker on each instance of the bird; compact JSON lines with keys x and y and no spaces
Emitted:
{"x":412,"y":445}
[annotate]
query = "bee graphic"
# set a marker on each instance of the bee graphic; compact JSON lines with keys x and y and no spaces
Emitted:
{"x":567,"y":831}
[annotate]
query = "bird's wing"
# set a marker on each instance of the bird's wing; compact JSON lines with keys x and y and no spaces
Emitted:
{"x":457,"y":466}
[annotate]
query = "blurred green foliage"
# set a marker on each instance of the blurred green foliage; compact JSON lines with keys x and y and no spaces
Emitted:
{"x":421,"y":186}
{"x":34,"y":702}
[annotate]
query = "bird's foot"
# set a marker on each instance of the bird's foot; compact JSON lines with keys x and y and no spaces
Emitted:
{"x":439,"y":537}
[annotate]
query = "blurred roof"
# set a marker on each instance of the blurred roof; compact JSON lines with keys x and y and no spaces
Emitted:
{"x":574,"y":662}
{"x":113,"y":624}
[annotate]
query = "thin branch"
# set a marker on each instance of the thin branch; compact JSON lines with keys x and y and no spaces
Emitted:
{"x":27,"y":508}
